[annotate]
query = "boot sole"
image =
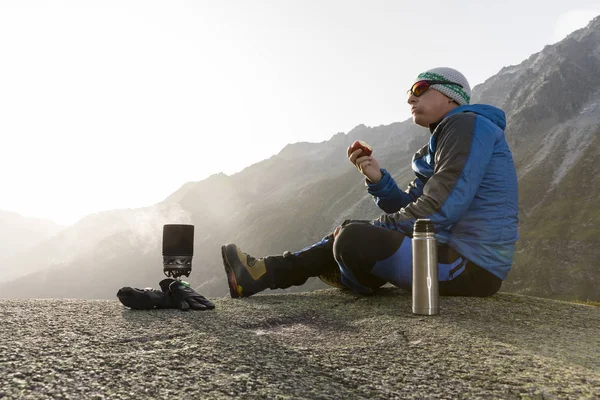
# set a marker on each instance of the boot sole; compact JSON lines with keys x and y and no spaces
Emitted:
{"x":231,"y":280}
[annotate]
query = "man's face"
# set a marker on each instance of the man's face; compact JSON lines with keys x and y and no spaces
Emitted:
{"x":429,"y":107}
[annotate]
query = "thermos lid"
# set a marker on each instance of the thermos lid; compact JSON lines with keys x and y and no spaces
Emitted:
{"x":423,"y":226}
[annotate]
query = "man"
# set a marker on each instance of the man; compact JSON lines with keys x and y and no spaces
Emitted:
{"x":465,"y":183}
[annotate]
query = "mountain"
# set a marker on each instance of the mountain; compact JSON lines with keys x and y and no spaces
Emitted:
{"x":552,"y":100}
{"x":299,"y":195}
{"x":84,"y":259}
{"x":19,"y":235}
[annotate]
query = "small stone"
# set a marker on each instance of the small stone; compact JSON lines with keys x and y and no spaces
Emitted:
{"x":19,"y":382}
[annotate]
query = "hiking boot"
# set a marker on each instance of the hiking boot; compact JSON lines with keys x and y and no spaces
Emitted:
{"x":245,"y":274}
{"x":145,"y":299}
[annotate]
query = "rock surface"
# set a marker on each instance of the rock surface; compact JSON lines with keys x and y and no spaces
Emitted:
{"x":327,"y":344}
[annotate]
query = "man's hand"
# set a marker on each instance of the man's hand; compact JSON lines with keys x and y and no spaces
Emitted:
{"x":367,"y":165}
{"x":337,"y":231}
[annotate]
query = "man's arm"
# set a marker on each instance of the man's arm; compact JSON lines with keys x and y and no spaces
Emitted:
{"x":389,"y":197}
{"x":461,"y":159}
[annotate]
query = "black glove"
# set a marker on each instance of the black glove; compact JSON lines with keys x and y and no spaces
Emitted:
{"x":184,"y":297}
{"x":145,"y":299}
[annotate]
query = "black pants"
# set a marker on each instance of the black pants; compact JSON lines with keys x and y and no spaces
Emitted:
{"x":368,"y":256}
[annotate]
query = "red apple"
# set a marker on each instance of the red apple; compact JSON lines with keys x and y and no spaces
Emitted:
{"x":364,"y":146}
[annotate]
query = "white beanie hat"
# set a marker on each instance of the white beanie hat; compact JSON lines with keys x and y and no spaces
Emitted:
{"x":461,"y":95}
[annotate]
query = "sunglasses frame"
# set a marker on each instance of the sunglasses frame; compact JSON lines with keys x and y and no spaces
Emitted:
{"x":430,"y":83}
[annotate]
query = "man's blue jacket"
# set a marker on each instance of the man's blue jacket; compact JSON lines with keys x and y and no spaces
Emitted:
{"x":466,"y":184}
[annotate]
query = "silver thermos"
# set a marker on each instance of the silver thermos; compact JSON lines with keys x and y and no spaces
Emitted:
{"x":425,"y":288}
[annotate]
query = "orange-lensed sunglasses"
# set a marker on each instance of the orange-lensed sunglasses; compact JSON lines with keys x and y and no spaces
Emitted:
{"x":421,"y":87}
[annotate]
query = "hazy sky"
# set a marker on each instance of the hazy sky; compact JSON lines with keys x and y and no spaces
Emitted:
{"x":116,"y":104}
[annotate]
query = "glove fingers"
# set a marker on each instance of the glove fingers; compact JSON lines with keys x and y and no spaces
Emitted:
{"x":200,"y":304}
{"x":184,"y":306}
{"x":196,"y":305}
{"x":209,"y":304}
{"x":206,"y":303}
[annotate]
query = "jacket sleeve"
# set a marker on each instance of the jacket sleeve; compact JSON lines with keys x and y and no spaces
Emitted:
{"x":461,"y":158}
{"x":389,"y":197}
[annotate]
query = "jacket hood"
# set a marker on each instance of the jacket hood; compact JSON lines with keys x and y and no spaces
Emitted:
{"x":492,"y":113}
